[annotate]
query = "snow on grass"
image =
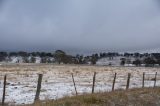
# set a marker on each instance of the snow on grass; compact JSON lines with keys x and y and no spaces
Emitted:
{"x":57,"y":80}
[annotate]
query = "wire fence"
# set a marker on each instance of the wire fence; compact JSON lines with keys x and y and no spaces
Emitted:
{"x":73,"y":85}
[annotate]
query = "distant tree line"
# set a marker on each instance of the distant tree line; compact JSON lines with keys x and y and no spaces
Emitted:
{"x":147,"y":59}
{"x":59,"y":57}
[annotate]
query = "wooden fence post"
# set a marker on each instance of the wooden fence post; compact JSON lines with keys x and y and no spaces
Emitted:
{"x":143,"y":79}
{"x":128,"y":81}
{"x":94,"y":78}
{"x":4,"y":90}
{"x":114,"y":80}
{"x":155,"y":80}
{"x":74,"y":84}
{"x":38,"y":87}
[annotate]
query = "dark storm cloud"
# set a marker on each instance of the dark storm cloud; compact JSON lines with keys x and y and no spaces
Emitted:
{"x":79,"y":25}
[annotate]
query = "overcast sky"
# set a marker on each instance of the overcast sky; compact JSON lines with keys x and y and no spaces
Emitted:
{"x":79,"y":25}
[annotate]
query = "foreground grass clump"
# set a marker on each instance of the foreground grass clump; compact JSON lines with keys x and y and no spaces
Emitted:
{"x":133,"y":97}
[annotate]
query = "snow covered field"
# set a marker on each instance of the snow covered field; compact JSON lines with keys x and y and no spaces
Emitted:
{"x":57,"y":80}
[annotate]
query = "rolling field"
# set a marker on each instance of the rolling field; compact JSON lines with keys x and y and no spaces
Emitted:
{"x":57,"y":81}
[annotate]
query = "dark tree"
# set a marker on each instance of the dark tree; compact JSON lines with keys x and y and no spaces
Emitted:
{"x":23,"y":54}
{"x":13,"y":54}
{"x":136,"y":55}
{"x":96,"y":55}
{"x":33,"y":59}
{"x":59,"y":56}
{"x":137,"y":62}
{"x":43,"y":60}
{"x":67,"y":59}
{"x":80,"y":59}
{"x":127,"y":55}
{"x":33,"y":54}
{"x":25,"y":59}
{"x":42,"y":54}
{"x":149,"y":61}
{"x":122,"y":61}
{"x":94,"y":59}
{"x":3,"y":56}
{"x":156,"y":55}
{"x":101,"y":55}
{"x":49,"y":54}
{"x":38,"y":53}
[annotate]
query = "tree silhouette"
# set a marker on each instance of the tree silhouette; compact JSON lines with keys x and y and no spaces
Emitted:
{"x":137,"y":62}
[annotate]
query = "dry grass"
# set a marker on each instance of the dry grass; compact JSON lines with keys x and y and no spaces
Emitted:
{"x":133,"y":97}
{"x":26,"y":76}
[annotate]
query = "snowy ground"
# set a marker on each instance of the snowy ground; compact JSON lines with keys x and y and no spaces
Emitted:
{"x":57,"y":80}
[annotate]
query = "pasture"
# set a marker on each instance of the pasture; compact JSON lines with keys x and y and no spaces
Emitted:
{"x":57,"y":80}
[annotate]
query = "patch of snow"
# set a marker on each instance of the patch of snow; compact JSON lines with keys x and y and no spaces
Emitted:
{"x":15,"y":59}
{"x":38,"y":60}
{"x":57,"y":81}
{"x":107,"y":61}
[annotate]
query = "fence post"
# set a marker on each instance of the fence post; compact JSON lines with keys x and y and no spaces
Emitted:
{"x":155,"y":79}
{"x":114,"y":80}
{"x":94,"y":77}
{"x":128,"y":81}
{"x":143,"y":79}
{"x":74,"y":84}
{"x":4,"y":90}
{"x":38,"y":87}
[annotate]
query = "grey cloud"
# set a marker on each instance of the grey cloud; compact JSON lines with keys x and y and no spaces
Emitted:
{"x":79,"y":25}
